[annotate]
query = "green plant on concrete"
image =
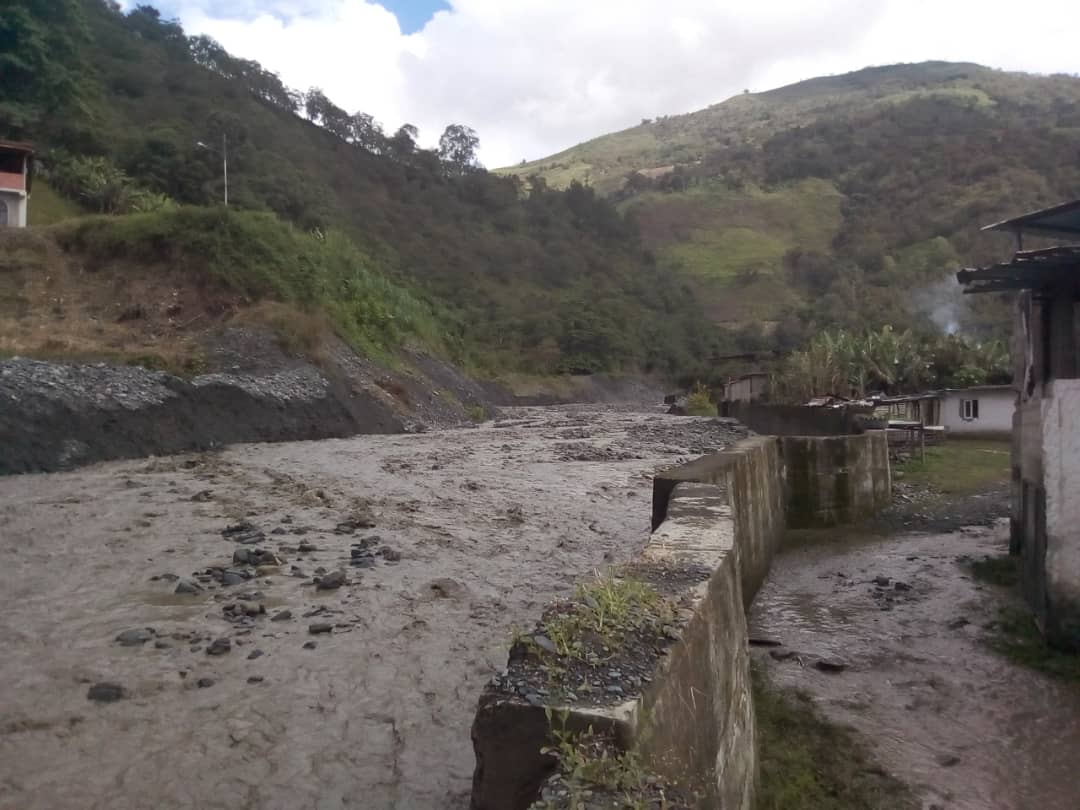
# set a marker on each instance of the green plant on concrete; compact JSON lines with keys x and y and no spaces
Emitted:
{"x":476,"y":413}
{"x":604,"y":611}
{"x":591,"y":765}
{"x":699,"y":402}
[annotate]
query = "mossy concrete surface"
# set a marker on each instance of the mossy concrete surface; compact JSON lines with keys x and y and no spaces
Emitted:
{"x":835,"y":480}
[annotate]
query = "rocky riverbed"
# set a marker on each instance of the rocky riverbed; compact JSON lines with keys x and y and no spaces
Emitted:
{"x":303,"y":624}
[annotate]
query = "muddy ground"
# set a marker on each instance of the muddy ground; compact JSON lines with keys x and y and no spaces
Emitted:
{"x":883,"y":633}
{"x":446,"y":541}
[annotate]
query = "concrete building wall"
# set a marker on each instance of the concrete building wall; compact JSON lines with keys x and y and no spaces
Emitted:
{"x":1061,"y":477}
{"x":996,"y":406}
{"x":1045,"y":519}
{"x":17,"y":204}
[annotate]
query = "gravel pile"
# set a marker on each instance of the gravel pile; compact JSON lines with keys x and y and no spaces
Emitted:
{"x":98,"y":385}
{"x":60,"y":415}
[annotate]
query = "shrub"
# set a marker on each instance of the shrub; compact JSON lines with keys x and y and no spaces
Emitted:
{"x":699,"y":402}
{"x":264,"y":258}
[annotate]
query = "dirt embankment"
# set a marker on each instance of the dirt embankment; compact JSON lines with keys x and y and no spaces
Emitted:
{"x":238,"y":370}
{"x":57,"y":416}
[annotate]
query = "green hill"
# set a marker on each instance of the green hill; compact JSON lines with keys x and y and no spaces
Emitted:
{"x":843,"y":200}
{"x":549,"y":281}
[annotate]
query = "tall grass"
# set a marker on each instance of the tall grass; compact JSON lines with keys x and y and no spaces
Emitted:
{"x":262,"y":257}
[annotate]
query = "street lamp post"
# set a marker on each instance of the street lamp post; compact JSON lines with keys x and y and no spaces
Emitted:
{"x":224,"y":160}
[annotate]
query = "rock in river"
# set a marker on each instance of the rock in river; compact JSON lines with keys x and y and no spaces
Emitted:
{"x":219,"y":646}
{"x":335,"y":579}
{"x":105,"y":692}
{"x":135,"y":637}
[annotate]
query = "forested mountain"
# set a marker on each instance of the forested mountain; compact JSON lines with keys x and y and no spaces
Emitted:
{"x":839,"y":203}
{"x":130,"y":114}
{"x":843,"y":201}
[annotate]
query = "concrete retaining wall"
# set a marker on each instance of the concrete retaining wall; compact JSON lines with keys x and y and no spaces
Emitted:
{"x":834,"y":480}
{"x":798,"y":420}
{"x":717,"y":523}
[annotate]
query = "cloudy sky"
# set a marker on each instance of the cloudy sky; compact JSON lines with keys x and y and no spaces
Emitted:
{"x":536,"y":76}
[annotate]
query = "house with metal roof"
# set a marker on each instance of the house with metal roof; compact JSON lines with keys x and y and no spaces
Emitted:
{"x":978,"y":411}
{"x":16,"y":177}
{"x":1045,"y":515}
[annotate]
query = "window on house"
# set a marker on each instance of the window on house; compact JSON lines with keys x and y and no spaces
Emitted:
{"x":969,"y":409}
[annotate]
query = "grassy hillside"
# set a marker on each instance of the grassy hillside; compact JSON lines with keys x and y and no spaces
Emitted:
{"x":842,"y":200}
{"x":549,"y":281}
{"x":155,"y":288}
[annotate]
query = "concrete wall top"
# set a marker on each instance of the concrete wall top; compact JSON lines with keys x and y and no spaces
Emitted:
{"x":796,"y":420}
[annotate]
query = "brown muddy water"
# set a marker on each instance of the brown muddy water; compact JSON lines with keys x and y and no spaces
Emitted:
{"x":968,"y":729}
{"x":491,"y":524}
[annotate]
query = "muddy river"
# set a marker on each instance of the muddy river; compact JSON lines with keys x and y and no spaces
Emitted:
{"x":968,"y":729}
{"x":446,"y":540}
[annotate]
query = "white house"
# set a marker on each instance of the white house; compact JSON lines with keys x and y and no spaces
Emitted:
{"x":16,"y":176}
{"x":979,"y":411}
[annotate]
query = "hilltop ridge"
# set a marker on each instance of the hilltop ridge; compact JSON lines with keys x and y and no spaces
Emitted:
{"x":812,"y":205}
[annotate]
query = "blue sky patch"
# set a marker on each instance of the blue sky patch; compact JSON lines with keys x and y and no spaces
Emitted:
{"x":412,"y":15}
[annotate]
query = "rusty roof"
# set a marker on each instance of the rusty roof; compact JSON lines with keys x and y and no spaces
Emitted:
{"x":17,"y":146}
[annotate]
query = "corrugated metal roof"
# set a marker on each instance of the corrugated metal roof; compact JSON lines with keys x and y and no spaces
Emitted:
{"x":1063,"y":220}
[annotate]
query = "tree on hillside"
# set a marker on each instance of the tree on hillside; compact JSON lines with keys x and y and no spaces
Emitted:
{"x":403,"y":142}
{"x":366,"y":132}
{"x":457,"y":148}
{"x":40,"y":71}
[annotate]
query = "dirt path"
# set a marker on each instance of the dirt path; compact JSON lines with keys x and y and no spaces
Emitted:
{"x":966,"y":728}
{"x":489,"y":523}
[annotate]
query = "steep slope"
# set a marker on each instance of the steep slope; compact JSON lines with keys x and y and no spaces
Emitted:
{"x":840,"y":200}
{"x":547,"y":282}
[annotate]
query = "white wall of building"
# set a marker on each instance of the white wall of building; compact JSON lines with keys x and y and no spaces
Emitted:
{"x":1061,"y":471}
{"x":16,"y":208}
{"x":996,"y":406}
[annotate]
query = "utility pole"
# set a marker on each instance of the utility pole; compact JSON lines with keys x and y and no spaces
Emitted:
{"x":225,"y":165}
{"x":224,"y":160}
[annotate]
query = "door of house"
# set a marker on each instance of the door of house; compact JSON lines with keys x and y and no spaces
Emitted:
{"x":3,"y":214}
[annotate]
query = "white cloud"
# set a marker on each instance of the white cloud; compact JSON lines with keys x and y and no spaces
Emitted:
{"x":536,"y":76}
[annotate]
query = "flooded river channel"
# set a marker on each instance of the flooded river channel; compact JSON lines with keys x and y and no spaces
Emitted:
{"x":447,"y":540}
